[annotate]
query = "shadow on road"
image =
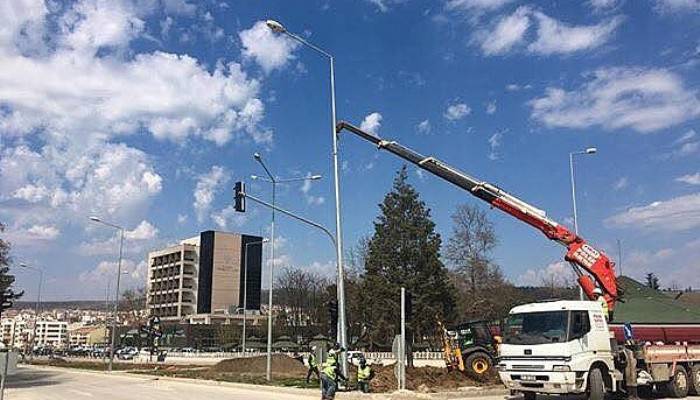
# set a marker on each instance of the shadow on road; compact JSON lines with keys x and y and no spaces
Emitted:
{"x":28,"y":378}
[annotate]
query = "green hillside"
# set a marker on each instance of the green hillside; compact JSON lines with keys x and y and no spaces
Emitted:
{"x":645,"y":305}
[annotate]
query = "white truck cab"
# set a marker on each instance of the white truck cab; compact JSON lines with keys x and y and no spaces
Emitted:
{"x":553,"y":347}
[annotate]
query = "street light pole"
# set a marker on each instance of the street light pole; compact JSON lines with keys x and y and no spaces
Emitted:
{"x":277,"y":27}
{"x":245,"y":290}
{"x":590,"y":150}
{"x":116,"y":298}
{"x":274,"y":182}
{"x":38,"y":302}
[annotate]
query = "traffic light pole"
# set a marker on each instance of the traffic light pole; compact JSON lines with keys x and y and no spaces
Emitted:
{"x":291,"y":214}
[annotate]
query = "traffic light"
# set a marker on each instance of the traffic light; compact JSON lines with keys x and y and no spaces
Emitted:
{"x":7,"y":298}
{"x":332,"y":317}
{"x":239,"y":196}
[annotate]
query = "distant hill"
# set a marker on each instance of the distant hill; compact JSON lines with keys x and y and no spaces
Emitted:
{"x":645,"y":305}
{"x":68,"y":304}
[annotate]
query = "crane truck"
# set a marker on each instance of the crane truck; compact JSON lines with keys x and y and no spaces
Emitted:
{"x":568,"y":347}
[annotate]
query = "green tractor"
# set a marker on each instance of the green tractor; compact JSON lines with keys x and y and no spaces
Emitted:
{"x":470,"y":347}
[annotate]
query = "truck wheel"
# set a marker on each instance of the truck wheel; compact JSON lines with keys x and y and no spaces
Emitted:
{"x":694,"y":380}
{"x":478,"y":364}
{"x":678,"y":385}
{"x":596,"y":388}
{"x":529,"y":396}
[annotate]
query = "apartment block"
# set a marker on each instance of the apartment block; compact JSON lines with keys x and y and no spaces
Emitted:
{"x":204,"y":275}
{"x":51,"y":334}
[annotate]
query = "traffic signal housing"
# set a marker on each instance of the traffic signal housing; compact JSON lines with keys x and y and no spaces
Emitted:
{"x":239,"y":196}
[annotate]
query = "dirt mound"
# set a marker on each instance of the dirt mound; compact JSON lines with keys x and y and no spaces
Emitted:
{"x":426,"y":379}
{"x":281,"y":366}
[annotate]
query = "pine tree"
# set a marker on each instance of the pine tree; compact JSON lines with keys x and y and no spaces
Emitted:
{"x":405,"y":252}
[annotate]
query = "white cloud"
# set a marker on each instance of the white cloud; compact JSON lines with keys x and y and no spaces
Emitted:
{"x":556,"y":37}
{"x":84,"y":89}
{"x":306,"y":189}
{"x":603,"y":4}
{"x":228,"y":217}
{"x":207,"y":186}
{"x":491,"y":107}
{"x":134,"y":274}
{"x":137,"y":241}
{"x":476,"y":5}
{"x":494,"y":144}
{"x":557,"y":273}
{"x":642,"y":99}
{"x":424,"y":127}
{"x":372,"y":122}
{"x":181,"y":218}
{"x":690,"y":179}
{"x":676,"y":6}
{"x":457,"y":111}
{"x":674,"y":215}
{"x":514,"y":87}
{"x":506,"y":33}
{"x":144,"y":231}
{"x":621,"y":183}
{"x":110,"y":180}
{"x":42,"y":232}
{"x":179,"y":7}
{"x":270,"y":50}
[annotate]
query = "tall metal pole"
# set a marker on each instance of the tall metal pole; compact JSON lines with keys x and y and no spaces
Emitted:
{"x":116,"y":300}
{"x":277,"y":27}
{"x":338,"y":228}
{"x":268,"y":373}
{"x":581,"y":295}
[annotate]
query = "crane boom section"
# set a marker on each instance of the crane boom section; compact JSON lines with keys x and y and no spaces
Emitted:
{"x":579,"y":252}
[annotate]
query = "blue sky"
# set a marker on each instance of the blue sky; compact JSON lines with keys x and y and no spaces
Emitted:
{"x":145,"y":112}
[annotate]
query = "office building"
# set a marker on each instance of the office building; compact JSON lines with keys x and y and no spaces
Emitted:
{"x":204,"y":275}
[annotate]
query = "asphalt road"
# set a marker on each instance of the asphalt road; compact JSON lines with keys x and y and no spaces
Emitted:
{"x":56,"y":384}
{"x":64,"y":384}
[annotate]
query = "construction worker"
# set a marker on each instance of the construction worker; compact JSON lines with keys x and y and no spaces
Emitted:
{"x":603,"y":302}
{"x":364,"y":375}
{"x":313,"y":365}
{"x":330,"y":374}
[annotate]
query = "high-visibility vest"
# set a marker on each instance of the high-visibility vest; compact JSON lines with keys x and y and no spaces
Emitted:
{"x":312,"y":360}
{"x":329,"y":367}
{"x":363,"y":373}
{"x":604,"y":305}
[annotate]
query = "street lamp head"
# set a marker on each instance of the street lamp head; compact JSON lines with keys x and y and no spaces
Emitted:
{"x":275,"y":26}
{"x":257,"y":156}
{"x":93,"y":218}
{"x":315,"y":177}
{"x":254,"y":177}
{"x":591,"y":150}
{"x":23,"y":265}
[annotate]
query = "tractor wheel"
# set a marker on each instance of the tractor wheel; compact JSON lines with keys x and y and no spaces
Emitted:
{"x":694,"y":378}
{"x":677,"y":387}
{"x":478,"y":364}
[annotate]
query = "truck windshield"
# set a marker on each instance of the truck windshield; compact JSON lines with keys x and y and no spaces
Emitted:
{"x":536,"y":328}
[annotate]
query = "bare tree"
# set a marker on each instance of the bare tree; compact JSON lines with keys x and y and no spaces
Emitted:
{"x":477,"y":278}
{"x":134,"y":302}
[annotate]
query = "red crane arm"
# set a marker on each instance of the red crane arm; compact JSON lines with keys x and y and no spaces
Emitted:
{"x":579,"y":253}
